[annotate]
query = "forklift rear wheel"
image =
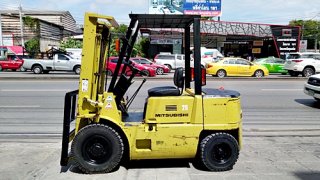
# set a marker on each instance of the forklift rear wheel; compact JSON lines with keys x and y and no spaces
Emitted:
{"x":97,"y":148}
{"x":219,"y":152}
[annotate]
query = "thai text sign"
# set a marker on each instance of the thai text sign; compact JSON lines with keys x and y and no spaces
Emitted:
{"x":202,"y":7}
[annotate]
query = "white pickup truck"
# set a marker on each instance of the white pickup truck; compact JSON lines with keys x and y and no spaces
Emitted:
{"x":58,"y":62}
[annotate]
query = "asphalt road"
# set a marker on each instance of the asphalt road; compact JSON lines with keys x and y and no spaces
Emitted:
{"x":281,"y":132}
{"x":36,"y":107}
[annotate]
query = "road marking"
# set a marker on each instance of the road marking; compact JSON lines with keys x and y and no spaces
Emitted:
{"x":281,"y":89}
{"x":36,"y":90}
{"x":36,"y":106}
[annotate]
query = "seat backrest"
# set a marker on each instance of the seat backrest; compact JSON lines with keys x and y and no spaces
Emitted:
{"x":178,"y":78}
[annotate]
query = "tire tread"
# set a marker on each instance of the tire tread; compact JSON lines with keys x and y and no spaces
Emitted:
{"x":203,"y":145}
{"x":114,"y":164}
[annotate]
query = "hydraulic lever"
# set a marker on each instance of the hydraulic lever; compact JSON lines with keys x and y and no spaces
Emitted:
{"x":135,"y":94}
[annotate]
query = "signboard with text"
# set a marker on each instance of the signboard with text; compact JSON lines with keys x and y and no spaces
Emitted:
{"x":286,"y":39}
{"x":206,"y":8}
{"x":209,"y":8}
{"x":287,"y":45}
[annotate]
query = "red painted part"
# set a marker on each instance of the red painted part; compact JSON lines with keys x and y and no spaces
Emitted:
{"x":12,"y":62}
{"x":276,"y":45}
{"x":153,"y":64}
{"x":111,"y":65}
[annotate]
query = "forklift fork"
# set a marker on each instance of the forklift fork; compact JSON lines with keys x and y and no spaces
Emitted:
{"x":69,"y":116}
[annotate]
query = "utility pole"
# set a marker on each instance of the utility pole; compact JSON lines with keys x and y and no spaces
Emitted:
{"x":1,"y":40}
{"x":21,"y":25}
{"x":316,"y":39}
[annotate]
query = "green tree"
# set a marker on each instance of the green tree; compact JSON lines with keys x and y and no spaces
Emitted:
{"x":32,"y":23}
{"x":140,"y":48}
{"x":71,"y":43}
{"x":121,"y":29}
{"x":310,"y":30}
{"x":144,"y":47}
{"x":33,"y":46}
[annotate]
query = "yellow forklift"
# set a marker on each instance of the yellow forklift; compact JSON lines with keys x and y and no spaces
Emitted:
{"x":180,"y":121}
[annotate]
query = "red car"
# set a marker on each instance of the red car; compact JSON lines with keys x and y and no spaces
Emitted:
{"x":160,"y":69}
{"x":8,"y":61}
{"x":112,"y":63}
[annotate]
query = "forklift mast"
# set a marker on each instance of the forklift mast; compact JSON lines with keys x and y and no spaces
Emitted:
{"x":95,"y":41}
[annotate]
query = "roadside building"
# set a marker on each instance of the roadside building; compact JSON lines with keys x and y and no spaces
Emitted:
{"x":49,"y":26}
{"x":247,"y":40}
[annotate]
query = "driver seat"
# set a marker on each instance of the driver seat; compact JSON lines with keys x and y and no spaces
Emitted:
{"x":178,"y":80}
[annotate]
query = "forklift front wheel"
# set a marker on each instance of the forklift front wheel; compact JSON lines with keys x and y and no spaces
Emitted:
{"x":97,"y":148}
{"x":219,"y":152}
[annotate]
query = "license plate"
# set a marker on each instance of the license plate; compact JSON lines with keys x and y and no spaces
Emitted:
{"x":289,"y":62}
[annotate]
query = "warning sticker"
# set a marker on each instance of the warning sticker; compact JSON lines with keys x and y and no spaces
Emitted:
{"x":85,"y":84}
{"x":108,"y":106}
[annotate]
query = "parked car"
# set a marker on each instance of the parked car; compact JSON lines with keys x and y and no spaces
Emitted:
{"x":172,"y":61}
{"x":306,"y":64}
{"x":160,"y":69}
{"x":11,"y":62}
{"x":209,"y":55}
{"x":58,"y":62}
{"x":312,"y":87}
{"x":112,"y":63}
{"x":273,"y":64}
{"x":236,"y":67}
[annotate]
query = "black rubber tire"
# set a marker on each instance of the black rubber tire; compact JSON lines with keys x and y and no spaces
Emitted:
{"x":97,"y":148}
{"x":219,"y":152}
{"x":293,"y":73}
{"x":146,"y":73}
{"x":77,"y":69}
{"x":109,"y":72}
{"x":22,"y":69}
{"x":160,"y":71}
{"x":37,"y":69}
{"x":307,"y":72}
{"x":170,"y":68}
{"x":258,"y":73}
{"x":221,"y":73}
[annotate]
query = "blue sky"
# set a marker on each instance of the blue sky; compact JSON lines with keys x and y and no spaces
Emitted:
{"x":258,"y":11}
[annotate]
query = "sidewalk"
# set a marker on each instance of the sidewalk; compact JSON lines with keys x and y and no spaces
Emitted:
{"x":261,"y":158}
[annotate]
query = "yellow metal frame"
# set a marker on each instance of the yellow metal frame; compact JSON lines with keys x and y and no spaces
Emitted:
{"x":173,"y":125}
